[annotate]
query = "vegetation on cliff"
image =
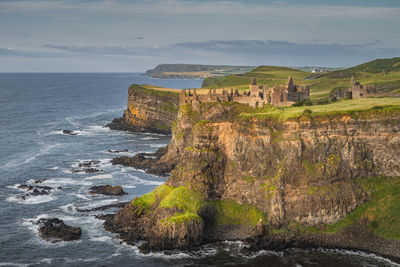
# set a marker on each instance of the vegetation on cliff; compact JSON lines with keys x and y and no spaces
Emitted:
{"x":384,"y":73}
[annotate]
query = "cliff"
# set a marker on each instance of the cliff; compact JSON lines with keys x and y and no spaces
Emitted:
{"x":148,"y":110}
{"x":194,"y":71}
{"x":328,"y":179}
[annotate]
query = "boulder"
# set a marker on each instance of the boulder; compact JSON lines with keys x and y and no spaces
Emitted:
{"x":109,"y":190}
{"x":55,"y":230}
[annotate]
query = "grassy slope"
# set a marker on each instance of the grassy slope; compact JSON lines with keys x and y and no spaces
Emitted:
{"x":382,"y":72}
{"x":355,"y":107}
{"x":190,"y":202}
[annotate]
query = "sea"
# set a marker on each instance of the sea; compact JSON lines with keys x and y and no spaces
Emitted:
{"x":35,"y":108}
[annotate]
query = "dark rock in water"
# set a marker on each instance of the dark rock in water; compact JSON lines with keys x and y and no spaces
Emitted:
{"x":92,"y":170}
{"x":117,"y":151}
{"x":39,"y":181}
{"x":146,"y":161}
{"x":69,"y":132}
{"x":55,"y":230}
{"x":104,"y":207}
{"x":88,"y":167}
{"x":110,"y":190}
{"x":89,"y":163}
{"x":34,"y":190}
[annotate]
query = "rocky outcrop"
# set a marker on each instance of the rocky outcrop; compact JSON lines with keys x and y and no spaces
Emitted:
{"x":34,"y":190}
{"x":108,"y":190}
{"x":150,"y":162}
{"x":307,"y":172}
{"x":148,"y":110}
{"x":55,"y":230}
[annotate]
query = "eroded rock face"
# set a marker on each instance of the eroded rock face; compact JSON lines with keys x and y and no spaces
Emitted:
{"x":148,"y":111}
{"x":294,"y":171}
{"x":109,"y":190}
{"x":55,"y":230}
{"x":298,"y":171}
{"x":133,"y":224}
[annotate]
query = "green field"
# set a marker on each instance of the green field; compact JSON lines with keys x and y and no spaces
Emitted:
{"x":352,"y":107}
{"x":385,"y":73}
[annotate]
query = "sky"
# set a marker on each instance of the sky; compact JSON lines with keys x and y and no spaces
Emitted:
{"x":133,"y":36}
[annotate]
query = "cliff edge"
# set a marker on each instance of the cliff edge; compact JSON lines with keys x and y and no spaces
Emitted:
{"x":149,"y":109}
{"x":242,"y":173}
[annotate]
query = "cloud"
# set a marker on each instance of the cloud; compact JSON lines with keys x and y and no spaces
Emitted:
{"x":284,"y":9}
{"x":250,"y":52}
{"x":10,"y":52}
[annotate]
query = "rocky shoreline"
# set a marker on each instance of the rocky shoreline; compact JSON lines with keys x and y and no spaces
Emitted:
{"x":271,"y":184}
{"x":121,"y":124}
{"x":149,"y":162}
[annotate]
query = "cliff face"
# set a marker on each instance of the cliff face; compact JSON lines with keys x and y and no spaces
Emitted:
{"x":148,"y":110}
{"x":253,"y":174}
{"x":299,"y":171}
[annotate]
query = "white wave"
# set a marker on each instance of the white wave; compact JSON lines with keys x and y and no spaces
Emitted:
{"x":31,"y":199}
{"x":72,"y":122}
{"x":128,"y":186}
{"x":107,"y":239}
{"x":149,"y":138}
{"x":100,"y":203}
{"x":15,"y":186}
{"x":43,"y":151}
{"x":64,"y":181}
{"x":81,"y":196}
{"x":203,"y":251}
{"x":54,"y":168}
{"x":100,"y":176}
{"x":146,"y":182}
{"x":46,"y":260}
{"x":69,"y":208}
{"x":155,"y":145}
{"x":13,"y":264}
{"x":95,"y":130}
{"x":358,"y":254}
{"x":60,"y":132}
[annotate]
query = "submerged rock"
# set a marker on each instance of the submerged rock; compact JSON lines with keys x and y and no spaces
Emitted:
{"x":55,"y":230}
{"x":117,"y":151}
{"x":109,"y":190}
{"x":69,"y":132}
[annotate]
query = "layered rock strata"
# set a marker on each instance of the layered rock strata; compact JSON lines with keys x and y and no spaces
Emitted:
{"x":305,"y":171}
{"x":148,"y":110}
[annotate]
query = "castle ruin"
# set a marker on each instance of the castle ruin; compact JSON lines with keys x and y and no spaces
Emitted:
{"x":256,"y":96}
{"x":356,"y":90}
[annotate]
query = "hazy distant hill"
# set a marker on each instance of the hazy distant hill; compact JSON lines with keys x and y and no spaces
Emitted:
{"x":190,"y":71}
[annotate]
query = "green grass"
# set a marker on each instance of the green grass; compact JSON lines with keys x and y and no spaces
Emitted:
{"x":382,"y":212}
{"x":184,"y":198}
{"x":146,"y":201}
{"x":354,"y":107}
{"x":230,"y":212}
{"x":179,"y":218}
{"x":383,"y":72}
{"x":266,"y":75}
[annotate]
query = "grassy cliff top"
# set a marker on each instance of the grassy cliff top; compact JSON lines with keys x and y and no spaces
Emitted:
{"x":344,"y":107}
{"x":382,"y":72}
{"x":153,"y":90}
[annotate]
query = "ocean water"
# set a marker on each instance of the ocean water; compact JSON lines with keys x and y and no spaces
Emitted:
{"x":34,"y":109}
